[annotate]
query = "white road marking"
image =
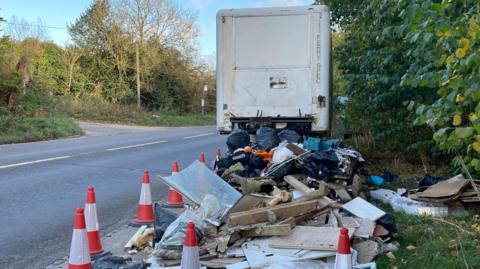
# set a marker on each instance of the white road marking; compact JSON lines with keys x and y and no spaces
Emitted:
{"x":36,"y":161}
{"x":200,"y":135}
{"x":138,"y":145}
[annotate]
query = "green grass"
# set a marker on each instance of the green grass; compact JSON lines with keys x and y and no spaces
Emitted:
{"x":94,"y":110}
{"x":16,"y":129}
{"x":437,"y":244}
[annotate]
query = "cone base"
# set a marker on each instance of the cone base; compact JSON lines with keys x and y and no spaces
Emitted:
{"x":82,"y":266}
{"x":100,"y":255}
{"x":167,"y":205}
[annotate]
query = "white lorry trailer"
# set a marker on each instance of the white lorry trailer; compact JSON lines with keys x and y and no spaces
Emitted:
{"x":274,"y":69}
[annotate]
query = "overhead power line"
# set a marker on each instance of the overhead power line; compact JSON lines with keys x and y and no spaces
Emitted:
{"x":36,"y":25}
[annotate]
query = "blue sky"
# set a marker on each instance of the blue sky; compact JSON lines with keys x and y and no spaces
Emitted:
{"x":59,"y":13}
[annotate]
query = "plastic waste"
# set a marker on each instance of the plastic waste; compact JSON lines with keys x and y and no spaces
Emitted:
{"x":175,"y":233}
{"x":267,"y":138}
{"x":429,"y":180}
{"x":238,"y":139}
{"x":196,"y":181}
{"x":388,"y":222}
{"x":388,"y":176}
{"x":290,"y":136}
{"x":311,"y":143}
{"x":377,"y":180}
{"x":115,"y":262}
{"x":163,"y":218}
{"x":281,"y":153}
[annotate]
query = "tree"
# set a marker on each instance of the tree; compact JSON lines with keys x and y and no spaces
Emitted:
{"x":160,"y":20}
{"x":70,"y":57}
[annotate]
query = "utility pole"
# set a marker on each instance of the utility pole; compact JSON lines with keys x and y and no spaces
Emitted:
{"x":205,"y":89}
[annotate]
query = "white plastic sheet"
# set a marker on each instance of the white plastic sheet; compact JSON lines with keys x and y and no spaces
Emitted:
{"x":196,"y":182}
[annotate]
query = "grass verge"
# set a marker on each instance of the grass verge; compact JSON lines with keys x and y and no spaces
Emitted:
{"x":432,"y":243}
{"x":95,"y":110}
{"x":425,"y":242}
{"x":17,"y":129}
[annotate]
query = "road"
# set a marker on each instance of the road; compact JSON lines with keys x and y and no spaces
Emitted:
{"x":41,"y":183}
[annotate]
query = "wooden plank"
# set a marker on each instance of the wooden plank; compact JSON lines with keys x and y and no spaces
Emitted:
{"x":299,"y":186}
{"x":281,"y":211}
{"x":270,"y":230}
{"x":363,"y":209}
{"x":310,"y":237}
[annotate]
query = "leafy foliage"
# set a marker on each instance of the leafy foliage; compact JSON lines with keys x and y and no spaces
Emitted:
{"x":411,"y":71}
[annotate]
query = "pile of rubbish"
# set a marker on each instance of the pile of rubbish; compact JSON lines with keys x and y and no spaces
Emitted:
{"x":277,"y":202}
{"x":434,"y":197}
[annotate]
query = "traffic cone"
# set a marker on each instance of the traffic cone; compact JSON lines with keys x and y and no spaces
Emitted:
{"x":145,"y":207}
{"x":174,"y":199}
{"x":190,"y":256}
{"x":202,"y":158}
{"x":91,"y":219}
{"x":343,"y":259}
{"x":79,"y":257}
{"x":218,"y":156}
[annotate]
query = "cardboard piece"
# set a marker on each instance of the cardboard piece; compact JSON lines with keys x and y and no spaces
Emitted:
{"x":363,"y":209}
{"x":310,"y":237}
{"x":447,"y":188}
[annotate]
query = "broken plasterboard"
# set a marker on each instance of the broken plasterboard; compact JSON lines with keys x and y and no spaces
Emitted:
{"x":260,"y":255}
{"x":311,"y":237}
{"x":363,"y":209}
{"x":197,"y":181}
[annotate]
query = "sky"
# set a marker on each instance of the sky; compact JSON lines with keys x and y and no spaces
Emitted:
{"x":60,"y":13}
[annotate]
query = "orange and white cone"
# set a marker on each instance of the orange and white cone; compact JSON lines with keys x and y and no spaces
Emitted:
{"x":174,"y":199}
{"x":79,"y":253}
{"x":190,"y":256}
{"x":145,"y":207}
{"x":343,"y":259}
{"x":91,"y":219}
{"x":202,"y":158}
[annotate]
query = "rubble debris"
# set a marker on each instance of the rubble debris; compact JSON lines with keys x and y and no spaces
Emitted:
{"x":363,"y":209}
{"x":312,"y":238}
{"x":260,"y":254}
{"x":367,"y":250}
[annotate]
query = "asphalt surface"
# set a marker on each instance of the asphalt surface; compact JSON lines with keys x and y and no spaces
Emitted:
{"x":41,"y":183}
